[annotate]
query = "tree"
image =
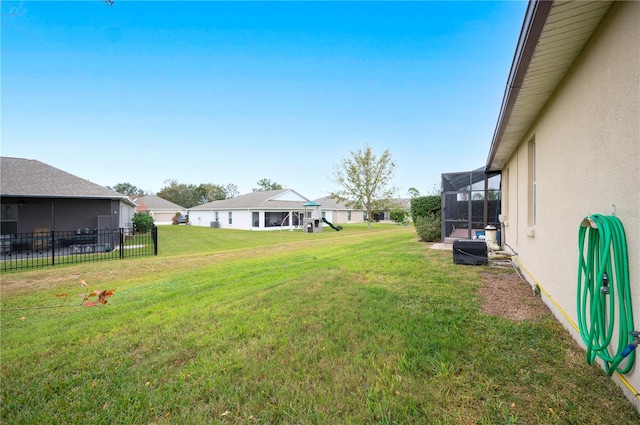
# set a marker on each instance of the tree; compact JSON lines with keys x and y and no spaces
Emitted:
{"x":363,"y":179}
{"x":190,"y":195}
{"x":210,"y":192}
{"x":231,"y":190}
{"x":413,"y":192}
{"x":180,"y":193}
{"x":266,"y":184}
{"x":128,"y":189}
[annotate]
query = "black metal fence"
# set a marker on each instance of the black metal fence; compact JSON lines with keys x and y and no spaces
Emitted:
{"x":50,"y":248}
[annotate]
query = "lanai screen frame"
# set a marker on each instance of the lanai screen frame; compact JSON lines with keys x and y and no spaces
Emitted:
{"x":473,"y":194}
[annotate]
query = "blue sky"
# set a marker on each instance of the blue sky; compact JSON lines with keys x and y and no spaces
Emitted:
{"x":233,"y":92}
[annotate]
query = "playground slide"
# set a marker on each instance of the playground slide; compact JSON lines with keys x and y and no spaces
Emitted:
{"x":330,"y":224}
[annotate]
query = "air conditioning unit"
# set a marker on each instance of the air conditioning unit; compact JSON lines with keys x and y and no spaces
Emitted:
{"x":470,"y":251}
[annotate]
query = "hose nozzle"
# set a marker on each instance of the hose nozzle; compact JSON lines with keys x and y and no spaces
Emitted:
{"x":605,"y":284}
{"x":632,"y":346}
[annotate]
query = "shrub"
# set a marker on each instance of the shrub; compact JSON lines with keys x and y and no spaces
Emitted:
{"x":142,"y":222}
{"x":398,"y":215}
{"x":428,"y":227}
{"x":425,"y":205}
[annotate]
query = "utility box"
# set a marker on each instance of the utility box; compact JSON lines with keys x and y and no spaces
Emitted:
{"x":470,"y":251}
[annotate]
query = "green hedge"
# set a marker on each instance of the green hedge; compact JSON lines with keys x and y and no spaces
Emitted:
{"x":425,"y":213}
{"x":142,"y":222}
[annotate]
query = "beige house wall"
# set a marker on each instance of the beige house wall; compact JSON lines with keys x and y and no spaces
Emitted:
{"x":587,"y":161}
{"x":342,"y":217}
{"x":163,"y":217}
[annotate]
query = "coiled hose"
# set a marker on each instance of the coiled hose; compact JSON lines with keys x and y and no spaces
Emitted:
{"x":604,"y":291}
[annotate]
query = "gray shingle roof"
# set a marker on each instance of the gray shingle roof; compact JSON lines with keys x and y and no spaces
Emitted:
{"x":258,"y":200}
{"x":156,"y":203}
{"x":328,"y":203}
{"x":32,"y":178}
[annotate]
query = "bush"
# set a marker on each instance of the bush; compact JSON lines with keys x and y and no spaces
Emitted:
{"x":398,"y":215}
{"x":142,"y":222}
{"x":428,"y":227}
{"x":425,"y":205}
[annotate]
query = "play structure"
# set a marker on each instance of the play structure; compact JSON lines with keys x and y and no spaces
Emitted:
{"x":336,"y":228}
{"x":312,"y":220}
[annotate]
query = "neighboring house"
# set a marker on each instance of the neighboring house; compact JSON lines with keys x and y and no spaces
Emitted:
{"x":160,"y":209}
{"x":338,"y":213}
{"x":34,"y":195}
{"x":567,"y":143}
{"x":263,"y":210}
{"x":402,"y":203}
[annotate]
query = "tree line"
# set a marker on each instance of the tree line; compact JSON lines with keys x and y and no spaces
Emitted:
{"x":191,"y":195}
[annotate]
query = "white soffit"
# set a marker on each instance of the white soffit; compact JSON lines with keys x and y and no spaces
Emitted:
{"x":567,"y":30}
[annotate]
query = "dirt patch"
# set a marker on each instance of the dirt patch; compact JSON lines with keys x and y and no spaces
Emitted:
{"x":506,"y":295}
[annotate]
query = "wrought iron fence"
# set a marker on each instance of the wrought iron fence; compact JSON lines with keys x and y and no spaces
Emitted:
{"x":50,"y":248}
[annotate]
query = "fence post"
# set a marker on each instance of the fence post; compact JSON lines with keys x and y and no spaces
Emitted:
{"x":121,"y":243}
{"x":154,"y":235}
{"x":53,"y":247}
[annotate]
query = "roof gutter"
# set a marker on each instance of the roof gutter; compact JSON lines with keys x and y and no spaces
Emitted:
{"x":124,"y":198}
{"x":534,"y":21}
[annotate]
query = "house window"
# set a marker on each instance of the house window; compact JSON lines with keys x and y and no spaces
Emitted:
{"x":9,"y":219}
{"x":256,"y":219}
{"x":531,"y":189}
{"x":230,"y":217}
{"x":217,"y":216}
{"x":348,"y":215}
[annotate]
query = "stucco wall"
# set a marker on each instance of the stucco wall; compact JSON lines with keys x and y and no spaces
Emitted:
{"x":587,"y":143}
{"x":241,"y":219}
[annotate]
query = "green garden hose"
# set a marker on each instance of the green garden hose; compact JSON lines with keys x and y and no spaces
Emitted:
{"x":604,"y":293}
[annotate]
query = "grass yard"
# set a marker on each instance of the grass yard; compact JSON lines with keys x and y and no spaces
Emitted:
{"x":352,"y":327}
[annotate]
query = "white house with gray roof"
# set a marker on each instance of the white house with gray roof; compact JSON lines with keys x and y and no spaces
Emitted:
{"x":269,"y":210}
{"x":264,"y":210}
{"x":34,"y":195}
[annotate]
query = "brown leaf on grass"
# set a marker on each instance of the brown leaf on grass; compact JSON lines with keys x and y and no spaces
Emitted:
{"x":102,"y":297}
{"x":60,"y":295}
{"x":83,"y":283}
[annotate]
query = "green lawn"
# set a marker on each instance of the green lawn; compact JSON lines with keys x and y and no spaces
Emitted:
{"x":351,"y":327}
